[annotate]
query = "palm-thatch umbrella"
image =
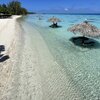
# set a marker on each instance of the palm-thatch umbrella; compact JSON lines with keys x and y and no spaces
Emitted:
{"x":54,"y":20}
{"x":86,"y":29}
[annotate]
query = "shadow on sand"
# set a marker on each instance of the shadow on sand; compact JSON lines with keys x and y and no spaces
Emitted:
{"x":88,"y":42}
{"x":2,"y":56}
{"x":2,"y":48}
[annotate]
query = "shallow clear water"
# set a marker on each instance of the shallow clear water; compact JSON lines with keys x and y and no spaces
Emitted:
{"x":82,"y":65}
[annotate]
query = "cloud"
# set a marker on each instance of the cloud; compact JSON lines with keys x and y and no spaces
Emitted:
{"x":66,"y":9}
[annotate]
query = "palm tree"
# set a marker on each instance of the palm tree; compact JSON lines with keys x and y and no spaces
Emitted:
{"x":15,"y":8}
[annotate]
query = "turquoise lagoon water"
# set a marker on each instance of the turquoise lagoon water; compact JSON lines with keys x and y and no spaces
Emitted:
{"x":82,"y":65}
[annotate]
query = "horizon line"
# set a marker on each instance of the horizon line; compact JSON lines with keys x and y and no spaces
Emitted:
{"x":70,"y":13}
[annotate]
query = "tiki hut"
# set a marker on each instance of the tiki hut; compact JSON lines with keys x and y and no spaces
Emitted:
{"x":55,"y":21}
{"x":86,"y":30}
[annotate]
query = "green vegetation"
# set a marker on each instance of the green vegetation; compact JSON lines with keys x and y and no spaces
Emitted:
{"x":13,"y":8}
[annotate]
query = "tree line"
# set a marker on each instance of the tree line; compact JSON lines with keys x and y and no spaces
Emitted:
{"x":13,"y":8}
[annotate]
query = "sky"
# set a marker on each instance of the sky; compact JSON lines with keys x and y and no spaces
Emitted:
{"x":60,"y":5}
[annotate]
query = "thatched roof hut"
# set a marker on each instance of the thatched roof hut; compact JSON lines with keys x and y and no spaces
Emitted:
{"x":86,"y":29}
{"x":54,"y":20}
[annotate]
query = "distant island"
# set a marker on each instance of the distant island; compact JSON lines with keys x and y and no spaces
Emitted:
{"x":14,"y":8}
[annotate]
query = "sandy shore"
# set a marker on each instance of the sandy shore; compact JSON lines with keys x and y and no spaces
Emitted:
{"x":7,"y":32}
{"x":8,"y":38}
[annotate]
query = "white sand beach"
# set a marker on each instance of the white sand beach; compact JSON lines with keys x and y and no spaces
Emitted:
{"x":7,"y":31}
{"x":8,"y":38}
